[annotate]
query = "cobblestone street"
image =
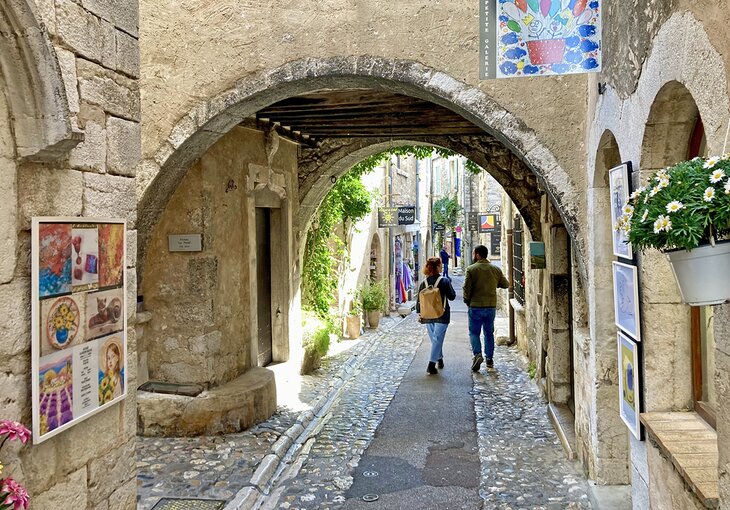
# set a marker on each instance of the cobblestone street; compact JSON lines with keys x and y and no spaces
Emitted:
{"x":522,"y":461}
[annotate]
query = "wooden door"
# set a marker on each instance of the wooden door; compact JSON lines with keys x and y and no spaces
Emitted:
{"x":263,"y":283}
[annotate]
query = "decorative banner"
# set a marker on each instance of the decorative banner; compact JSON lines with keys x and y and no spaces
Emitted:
{"x":407,"y":215}
{"x":78,"y":320}
{"x":387,"y":217}
{"x":539,"y":37}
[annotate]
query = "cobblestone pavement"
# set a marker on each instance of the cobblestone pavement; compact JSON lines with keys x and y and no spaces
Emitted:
{"x":523,"y":464}
{"x":216,"y":467}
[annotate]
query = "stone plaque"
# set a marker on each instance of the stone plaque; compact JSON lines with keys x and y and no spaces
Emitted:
{"x":185,"y":242}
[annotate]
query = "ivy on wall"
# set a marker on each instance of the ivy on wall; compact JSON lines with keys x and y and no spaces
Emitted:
{"x":348,"y":202}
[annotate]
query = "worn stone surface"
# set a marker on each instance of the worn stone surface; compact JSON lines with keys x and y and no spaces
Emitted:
{"x":91,"y":154}
{"x":122,"y":146}
{"x":109,"y":196}
{"x":69,"y":493}
{"x":116,"y":94}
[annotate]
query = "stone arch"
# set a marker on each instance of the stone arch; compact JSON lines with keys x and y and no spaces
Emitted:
{"x":333,"y":158}
{"x":35,"y":89}
{"x":208,"y":121}
{"x":667,"y":135}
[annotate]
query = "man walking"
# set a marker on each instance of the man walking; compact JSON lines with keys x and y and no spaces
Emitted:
{"x":445,"y":260}
{"x":480,"y":295}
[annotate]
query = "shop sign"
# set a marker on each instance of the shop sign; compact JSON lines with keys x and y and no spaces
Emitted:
{"x":407,"y":215}
{"x":387,"y":217}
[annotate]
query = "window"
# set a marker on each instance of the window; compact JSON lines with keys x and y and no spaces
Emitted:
{"x":453,"y":176}
{"x":437,"y":177}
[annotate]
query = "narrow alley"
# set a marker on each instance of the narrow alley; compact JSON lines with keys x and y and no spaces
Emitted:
{"x":390,"y":436}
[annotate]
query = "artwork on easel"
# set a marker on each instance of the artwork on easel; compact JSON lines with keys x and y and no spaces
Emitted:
{"x":78,"y":351}
{"x":629,"y":391}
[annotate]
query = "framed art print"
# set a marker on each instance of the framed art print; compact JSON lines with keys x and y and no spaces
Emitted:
{"x":618,"y":179}
{"x":626,"y":299}
{"x":628,"y":386}
{"x":79,"y":316}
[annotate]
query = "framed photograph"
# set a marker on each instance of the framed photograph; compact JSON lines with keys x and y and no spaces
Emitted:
{"x":626,"y":299}
{"x":628,"y":385}
{"x":79,"y":315}
{"x":618,"y":179}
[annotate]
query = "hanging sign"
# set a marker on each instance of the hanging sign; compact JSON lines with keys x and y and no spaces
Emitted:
{"x":439,"y":227}
{"x":473,"y":222}
{"x":387,"y":217}
{"x":488,"y":222}
{"x":79,"y":315}
{"x":407,"y":215}
{"x":521,"y":38}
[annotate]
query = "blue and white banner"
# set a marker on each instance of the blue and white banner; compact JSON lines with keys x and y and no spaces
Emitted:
{"x":539,"y":37}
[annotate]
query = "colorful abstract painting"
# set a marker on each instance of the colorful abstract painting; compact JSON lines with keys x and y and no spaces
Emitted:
{"x":111,"y":254}
{"x":548,"y":37}
{"x":55,"y":397}
{"x":54,"y":259}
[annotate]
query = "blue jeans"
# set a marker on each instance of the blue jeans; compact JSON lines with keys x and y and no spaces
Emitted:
{"x":437,"y":333}
{"x":446,"y":269}
{"x":482,"y":319}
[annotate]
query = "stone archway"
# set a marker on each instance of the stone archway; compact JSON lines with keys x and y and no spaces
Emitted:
{"x":35,"y":88}
{"x":210,"y":120}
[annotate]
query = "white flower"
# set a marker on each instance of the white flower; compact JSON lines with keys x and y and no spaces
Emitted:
{"x":629,"y":210}
{"x":696,"y":158}
{"x":635,"y":194}
{"x":709,"y":194}
{"x":661,"y":175}
{"x":662,"y":223}
{"x":727,"y":187}
{"x":643,"y":216}
{"x":717,"y":176}
{"x":714,"y":160}
{"x":674,"y":206}
{"x":654,"y":191}
{"x":663,"y":183}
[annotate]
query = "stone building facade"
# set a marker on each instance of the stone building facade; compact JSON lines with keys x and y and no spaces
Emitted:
{"x":182,"y":156}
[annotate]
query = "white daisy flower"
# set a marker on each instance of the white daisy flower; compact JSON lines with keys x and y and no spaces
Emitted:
{"x":643,"y":216}
{"x":657,"y":226}
{"x":666,"y":224}
{"x":654,"y":191}
{"x":727,"y":187}
{"x":662,"y":223}
{"x":629,"y":210}
{"x":714,"y":160}
{"x":635,"y":195}
{"x":663,"y":183}
{"x":717,"y":176}
{"x":709,"y":194}
{"x":674,"y":206}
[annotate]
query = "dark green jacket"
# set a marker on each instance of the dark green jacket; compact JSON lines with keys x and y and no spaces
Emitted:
{"x":481,"y":282}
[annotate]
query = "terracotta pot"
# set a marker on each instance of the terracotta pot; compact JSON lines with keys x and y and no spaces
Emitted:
{"x":374,"y":318}
{"x":703,"y":274}
{"x":353,"y":326}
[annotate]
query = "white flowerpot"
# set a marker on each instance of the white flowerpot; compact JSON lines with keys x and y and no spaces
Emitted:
{"x":703,"y":274}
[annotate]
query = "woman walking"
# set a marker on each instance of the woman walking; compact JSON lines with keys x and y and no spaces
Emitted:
{"x":436,"y":313}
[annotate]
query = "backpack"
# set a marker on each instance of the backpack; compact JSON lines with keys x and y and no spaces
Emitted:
{"x":430,"y":302}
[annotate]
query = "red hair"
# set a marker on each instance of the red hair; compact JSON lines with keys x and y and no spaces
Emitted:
{"x":432,"y":266}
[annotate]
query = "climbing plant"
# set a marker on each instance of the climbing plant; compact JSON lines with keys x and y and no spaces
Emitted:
{"x":446,"y":211}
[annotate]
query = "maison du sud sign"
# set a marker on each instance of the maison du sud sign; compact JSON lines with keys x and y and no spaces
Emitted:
{"x":394,"y":216}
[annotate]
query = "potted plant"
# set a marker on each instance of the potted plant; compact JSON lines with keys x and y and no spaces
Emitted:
{"x":353,"y":319}
{"x":374,"y":299}
{"x":684,"y":211}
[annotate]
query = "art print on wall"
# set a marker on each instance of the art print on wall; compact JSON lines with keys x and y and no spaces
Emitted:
{"x":626,"y":299}
{"x":629,"y":390}
{"x":78,"y":307}
{"x":618,"y":179}
{"x":522,"y":38}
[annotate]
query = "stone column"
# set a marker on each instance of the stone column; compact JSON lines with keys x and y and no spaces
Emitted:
{"x":722,"y":385}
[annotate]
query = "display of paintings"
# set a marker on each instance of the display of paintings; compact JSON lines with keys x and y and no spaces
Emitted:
{"x":626,"y":299}
{"x":547,"y":37}
{"x":628,"y":386}
{"x":618,"y":179}
{"x":78,"y":320}
{"x":104,"y":312}
{"x":62,"y":323}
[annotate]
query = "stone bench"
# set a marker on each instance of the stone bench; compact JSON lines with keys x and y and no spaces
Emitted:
{"x":231,"y":407}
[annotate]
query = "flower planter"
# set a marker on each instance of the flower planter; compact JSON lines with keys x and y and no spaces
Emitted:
{"x":374,"y":318}
{"x":703,"y":274}
{"x":353,"y":326}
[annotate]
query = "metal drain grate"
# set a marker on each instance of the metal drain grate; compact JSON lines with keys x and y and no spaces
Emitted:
{"x":189,"y":504}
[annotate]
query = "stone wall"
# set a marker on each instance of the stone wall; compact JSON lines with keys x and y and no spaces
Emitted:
{"x":74,"y":155}
{"x":203,"y":304}
{"x":722,"y":387}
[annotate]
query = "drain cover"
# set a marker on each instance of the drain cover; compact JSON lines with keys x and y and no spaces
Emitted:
{"x":370,"y":474}
{"x":370,"y":497}
{"x":189,"y":504}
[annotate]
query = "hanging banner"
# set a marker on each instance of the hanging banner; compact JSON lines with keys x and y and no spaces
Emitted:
{"x":521,"y":38}
{"x":79,"y":315}
{"x":407,"y":215}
